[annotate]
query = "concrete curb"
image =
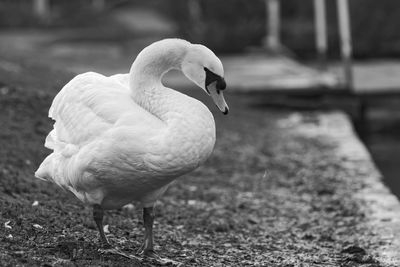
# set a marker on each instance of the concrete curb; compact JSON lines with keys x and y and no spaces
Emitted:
{"x":380,"y":206}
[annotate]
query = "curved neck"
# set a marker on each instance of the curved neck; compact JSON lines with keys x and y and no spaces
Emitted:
{"x":150,"y":66}
{"x":190,"y":129}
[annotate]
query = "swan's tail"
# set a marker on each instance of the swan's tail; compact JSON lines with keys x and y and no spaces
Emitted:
{"x":45,"y":170}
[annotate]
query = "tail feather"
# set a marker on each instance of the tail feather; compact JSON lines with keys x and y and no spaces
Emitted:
{"x":52,"y":142}
{"x":45,"y":170}
{"x":49,"y":142}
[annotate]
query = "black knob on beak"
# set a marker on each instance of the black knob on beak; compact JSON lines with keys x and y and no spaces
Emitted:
{"x":221,"y":84}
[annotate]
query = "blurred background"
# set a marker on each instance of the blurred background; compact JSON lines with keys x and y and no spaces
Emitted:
{"x":227,"y":27}
{"x":106,"y":35}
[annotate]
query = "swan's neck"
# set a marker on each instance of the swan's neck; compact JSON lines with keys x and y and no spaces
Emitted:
{"x":189,"y":135}
{"x":150,"y":66}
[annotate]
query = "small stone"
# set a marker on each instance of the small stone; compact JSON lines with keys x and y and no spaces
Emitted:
{"x":192,"y":188}
{"x":253,"y":220}
{"x":192,"y":202}
{"x":128,"y":207}
{"x":7,"y":225}
{"x":37,"y":226}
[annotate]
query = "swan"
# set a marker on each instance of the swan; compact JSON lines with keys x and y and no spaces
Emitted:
{"x":126,"y":137}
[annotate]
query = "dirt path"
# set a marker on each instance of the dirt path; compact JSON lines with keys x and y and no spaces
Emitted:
{"x":279,"y":190}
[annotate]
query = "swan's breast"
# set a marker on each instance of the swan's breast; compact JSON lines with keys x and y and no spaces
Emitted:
{"x":188,"y":141}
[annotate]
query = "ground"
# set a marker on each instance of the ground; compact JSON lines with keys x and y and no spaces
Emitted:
{"x":272,"y":194}
{"x":279,"y":189}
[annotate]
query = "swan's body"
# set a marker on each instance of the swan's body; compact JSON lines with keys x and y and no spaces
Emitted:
{"x":125,"y":137}
{"x":108,"y":150}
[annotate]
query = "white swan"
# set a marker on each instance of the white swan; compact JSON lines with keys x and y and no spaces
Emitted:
{"x":125,"y":137}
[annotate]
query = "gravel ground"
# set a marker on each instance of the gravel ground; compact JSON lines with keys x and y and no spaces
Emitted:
{"x":276,"y":192}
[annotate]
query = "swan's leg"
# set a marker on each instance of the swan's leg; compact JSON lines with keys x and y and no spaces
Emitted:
{"x":147,"y":247}
{"x":98,"y":214}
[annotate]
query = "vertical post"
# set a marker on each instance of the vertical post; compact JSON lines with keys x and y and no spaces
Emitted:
{"x":345,"y":39}
{"x":197,"y":27}
{"x":320,"y":31}
{"x":41,"y":8}
{"x":273,"y":41}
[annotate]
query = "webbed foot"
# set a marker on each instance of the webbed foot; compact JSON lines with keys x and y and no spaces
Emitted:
{"x":116,"y":251}
{"x":152,"y":256}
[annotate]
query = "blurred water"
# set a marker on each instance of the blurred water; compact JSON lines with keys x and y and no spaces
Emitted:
{"x":386,"y":154}
{"x":382,"y":137}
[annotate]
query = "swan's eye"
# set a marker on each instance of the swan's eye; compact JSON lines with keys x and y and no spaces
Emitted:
{"x":212,"y":77}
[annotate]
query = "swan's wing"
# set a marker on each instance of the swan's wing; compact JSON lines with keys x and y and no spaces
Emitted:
{"x":89,"y":105}
{"x":98,"y":129}
{"x":122,"y":79}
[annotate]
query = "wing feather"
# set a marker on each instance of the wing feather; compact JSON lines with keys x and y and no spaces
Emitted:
{"x":88,"y":105}
{"x":96,"y":121}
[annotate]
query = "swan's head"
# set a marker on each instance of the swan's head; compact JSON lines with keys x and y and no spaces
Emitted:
{"x":205,"y":69}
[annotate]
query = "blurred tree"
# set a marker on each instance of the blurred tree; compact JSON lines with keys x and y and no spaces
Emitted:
{"x":41,"y":8}
{"x":230,"y":25}
{"x":196,"y":21}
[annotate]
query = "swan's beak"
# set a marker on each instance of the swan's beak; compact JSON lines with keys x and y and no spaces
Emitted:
{"x":215,"y":91}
